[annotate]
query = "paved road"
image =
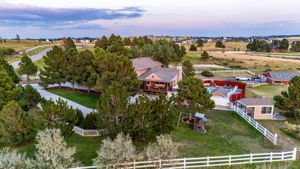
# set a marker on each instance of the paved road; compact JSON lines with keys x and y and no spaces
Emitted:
{"x":33,"y":58}
{"x":47,"y":95}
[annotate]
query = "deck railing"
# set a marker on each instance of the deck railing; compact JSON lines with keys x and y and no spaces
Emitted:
{"x":183,"y":163}
{"x":269,"y":135}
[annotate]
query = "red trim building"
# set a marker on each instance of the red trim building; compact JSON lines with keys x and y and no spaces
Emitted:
{"x":280,"y":78}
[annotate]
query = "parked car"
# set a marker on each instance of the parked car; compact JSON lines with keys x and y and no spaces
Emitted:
{"x":243,"y":78}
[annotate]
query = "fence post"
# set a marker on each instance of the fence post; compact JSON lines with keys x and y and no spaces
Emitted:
{"x":133,"y":164}
{"x":159,"y":163}
{"x":229,"y":162}
{"x":271,"y":156}
{"x":295,"y":153}
{"x":275,"y":139}
{"x":265,"y":131}
{"x":184,"y":162}
{"x":251,"y":158}
{"x":282,"y":158}
{"x":207,"y":161}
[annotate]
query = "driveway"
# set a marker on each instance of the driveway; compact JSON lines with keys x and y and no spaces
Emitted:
{"x":33,"y":58}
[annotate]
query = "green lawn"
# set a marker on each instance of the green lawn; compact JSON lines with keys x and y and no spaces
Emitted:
{"x":267,"y":91}
{"x":85,"y":99}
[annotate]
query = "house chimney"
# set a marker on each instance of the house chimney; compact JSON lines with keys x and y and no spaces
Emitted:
{"x":179,"y":68}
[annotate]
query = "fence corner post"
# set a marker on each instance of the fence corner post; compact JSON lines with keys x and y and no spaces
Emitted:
{"x":295,"y":153}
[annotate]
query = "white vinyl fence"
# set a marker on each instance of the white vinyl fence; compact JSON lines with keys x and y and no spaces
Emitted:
{"x":270,"y":136}
{"x":229,"y":71}
{"x":84,"y":132}
{"x":207,"y":161}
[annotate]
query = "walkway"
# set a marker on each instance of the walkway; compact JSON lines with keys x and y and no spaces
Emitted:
{"x":33,"y":58}
{"x":47,"y":95}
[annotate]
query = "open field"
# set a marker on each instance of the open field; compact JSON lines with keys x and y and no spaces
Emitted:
{"x":229,"y":46}
{"x":85,"y":99}
{"x":268,"y":91}
{"x":254,"y":63}
{"x":23,"y":45}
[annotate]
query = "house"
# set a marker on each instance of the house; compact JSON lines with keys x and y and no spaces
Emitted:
{"x":257,"y":108}
{"x":154,"y":78}
{"x":280,"y":78}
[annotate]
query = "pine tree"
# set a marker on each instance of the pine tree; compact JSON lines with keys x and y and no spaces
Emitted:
{"x":204,"y":55}
{"x":9,"y":70}
{"x":127,"y":41}
{"x":14,"y":127}
{"x":102,"y":43}
{"x":188,"y":69}
{"x":88,"y":74}
{"x":53,"y":72}
{"x":68,"y":43}
{"x":52,"y":151}
{"x":26,"y":67}
{"x":71,"y":64}
{"x":193,"y":48}
{"x":31,"y":96}
{"x":193,"y":95}
{"x":200,"y":43}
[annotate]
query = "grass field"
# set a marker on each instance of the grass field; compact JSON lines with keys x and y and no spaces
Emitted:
{"x":23,"y":45}
{"x":229,"y":46}
{"x":84,"y":99}
{"x":268,"y":91}
{"x":254,"y":63}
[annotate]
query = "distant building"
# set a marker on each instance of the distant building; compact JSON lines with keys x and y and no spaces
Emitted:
{"x":280,"y":78}
{"x":86,"y":40}
{"x":154,"y":78}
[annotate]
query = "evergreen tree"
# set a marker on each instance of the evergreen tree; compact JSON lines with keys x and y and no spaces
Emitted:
{"x":102,"y":43}
{"x":18,"y":38}
{"x":52,"y":151}
{"x":117,"y":69}
{"x":118,"y":48}
{"x":26,"y":67}
{"x":8,"y":90}
{"x":188,"y":69}
{"x":284,"y":44}
{"x":193,"y":48}
{"x":9,"y":69}
{"x":219,"y":44}
{"x":289,"y":101}
{"x":204,"y":55}
{"x":114,"y":38}
{"x":193,"y":96}
{"x":200,"y":43}
{"x":88,"y":74}
{"x":58,"y":115}
{"x":14,"y":126}
{"x":71,"y":63}
{"x":127,"y":41}
{"x":296,"y":46}
{"x":31,"y":96}
{"x":68,"y":43}
{"x":258,"y":46}
{"x":53,"y":72}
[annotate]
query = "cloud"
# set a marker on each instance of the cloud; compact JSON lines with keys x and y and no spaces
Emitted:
{"x":28,"y":15}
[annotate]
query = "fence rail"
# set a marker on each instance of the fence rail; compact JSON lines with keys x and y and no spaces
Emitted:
{"x":229,"y":71}
{"x":229,"y":160}
{"x":269,"y":135}
{"x":84,"y":132}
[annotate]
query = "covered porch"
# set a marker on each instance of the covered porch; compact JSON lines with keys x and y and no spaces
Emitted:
{"x":157,"y":87}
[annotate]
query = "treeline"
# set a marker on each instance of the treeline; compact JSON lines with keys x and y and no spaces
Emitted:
{"x":7,"y":51}
{"x":258,"y":46}
{"x":160,"y":50}
{"x":263,"y":46}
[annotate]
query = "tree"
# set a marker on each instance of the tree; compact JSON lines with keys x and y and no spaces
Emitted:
{"x":258,"y":46}
{"x":188,"y":69}
{"x":192,"y":95}
{"x":117,"y":151}
{"x":193,"y":48}
{"x":164,"y":149}
{"x":127,"y":41}
{"x":289,"y":101}
{"x":31,"y":96}
{"x":219,"y":44}
{"x":10,"y":159}
{"x":207,"y":73}
{"x":204,"y":55}
{"x":58,"y":115}
{"x":116,"y":69}
{"x":164,"y":52}
{"x":52,"y":151}
{"x":102,"y":43}
{"x":296,"y":46}
{"x":200,"y":43}
{"x":18,"y":38}
{"x":71,"y":63}
{"x":118,"y":48}
{"x":284,"y":44}
{"x":89,"y":121}
{"x":68,"y":43}
{"x":8,"y":90}
{"x":53,"y":72}
{"x":27,"y":67}
{"x":14,"y":126}
{"x":9,"y":69}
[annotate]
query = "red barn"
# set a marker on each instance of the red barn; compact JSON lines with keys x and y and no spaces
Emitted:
{"x":280,"y":78}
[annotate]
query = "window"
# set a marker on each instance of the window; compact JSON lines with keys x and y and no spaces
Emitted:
{"x":266,"y":110}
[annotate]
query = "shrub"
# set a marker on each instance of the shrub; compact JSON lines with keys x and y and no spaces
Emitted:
{"x":79,"y":117}
{"x":207,"y":73}
{"x":89,"y":122}
{"x":163,"y":149}
{"x":193,"y":48}
{"x":11,"y":159}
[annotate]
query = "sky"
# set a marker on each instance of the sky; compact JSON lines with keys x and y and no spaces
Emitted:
{"x":94,"y":18}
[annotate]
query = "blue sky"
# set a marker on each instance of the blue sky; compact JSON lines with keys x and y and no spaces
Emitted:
{"x":94,"y":18}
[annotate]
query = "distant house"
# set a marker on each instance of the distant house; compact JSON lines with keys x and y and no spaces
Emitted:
{"x":280,"y":78}
{"x":257,"y":108}
{"x":86,"y":40}
{"x":155,"y":78}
